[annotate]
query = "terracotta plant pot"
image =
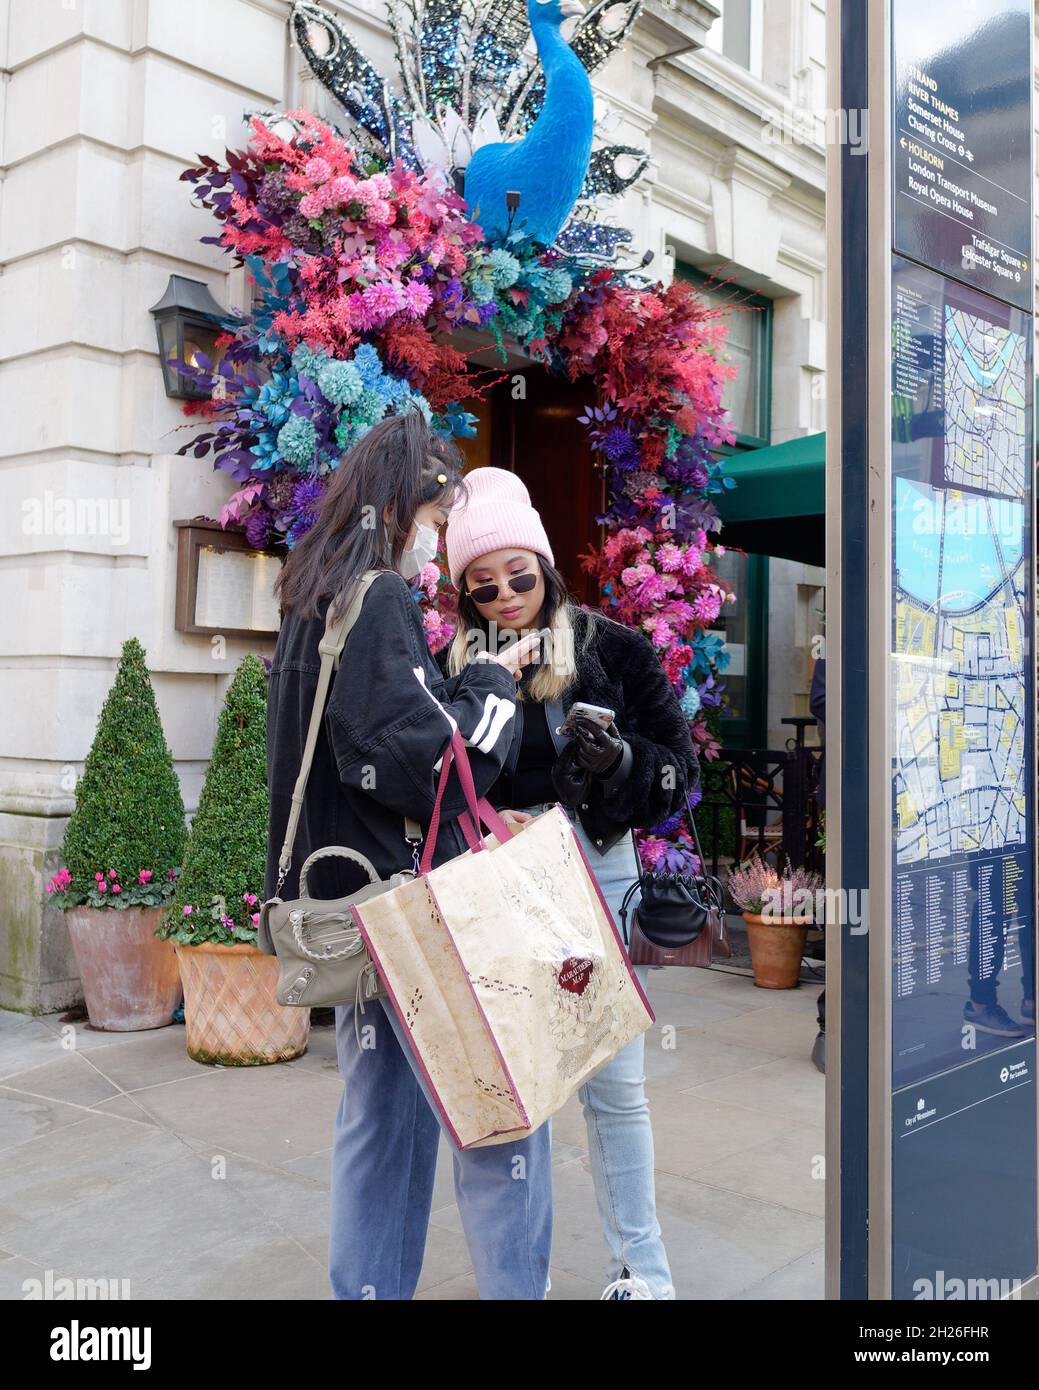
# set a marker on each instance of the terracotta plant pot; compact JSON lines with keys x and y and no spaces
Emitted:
{"x":130,"y":978}
{"x":776,"y":947}
{"x":231,"y":1012}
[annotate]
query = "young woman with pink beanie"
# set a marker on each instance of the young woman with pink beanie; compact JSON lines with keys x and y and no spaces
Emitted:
{"x":637,"y":772}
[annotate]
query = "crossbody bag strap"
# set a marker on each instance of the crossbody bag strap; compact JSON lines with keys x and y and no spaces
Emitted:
{"x":337,"y":629}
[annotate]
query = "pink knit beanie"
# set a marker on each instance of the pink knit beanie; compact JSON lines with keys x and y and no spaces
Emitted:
{"x":497,"y":513}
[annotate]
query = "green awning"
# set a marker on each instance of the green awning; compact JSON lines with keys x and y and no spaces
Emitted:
{"x":778,"y":506}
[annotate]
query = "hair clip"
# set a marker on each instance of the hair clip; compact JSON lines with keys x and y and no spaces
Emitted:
{"x":441,"y":478}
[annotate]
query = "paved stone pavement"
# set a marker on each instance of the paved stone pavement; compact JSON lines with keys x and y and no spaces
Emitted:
{"x":107,"y":1152}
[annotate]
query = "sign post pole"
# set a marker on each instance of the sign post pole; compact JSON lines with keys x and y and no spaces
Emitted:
{"x":931,"y":1075}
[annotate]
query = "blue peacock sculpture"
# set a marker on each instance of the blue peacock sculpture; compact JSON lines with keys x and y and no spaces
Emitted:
{"x":500,"y":114}
{"x":545,"y":171}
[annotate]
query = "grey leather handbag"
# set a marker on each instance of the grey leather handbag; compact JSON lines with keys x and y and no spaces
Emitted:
{"x":321,"y":954}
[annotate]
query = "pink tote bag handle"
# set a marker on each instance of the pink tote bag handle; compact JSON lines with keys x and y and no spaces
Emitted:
{"x":480,"y":809}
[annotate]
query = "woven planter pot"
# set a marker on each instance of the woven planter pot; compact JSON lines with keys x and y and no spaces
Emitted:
{"x":776,"y":948}
{"x":231,"y":1013}
{"x":129,"y":977}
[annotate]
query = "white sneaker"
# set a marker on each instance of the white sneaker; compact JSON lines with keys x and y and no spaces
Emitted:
{"x":628,"y":1286}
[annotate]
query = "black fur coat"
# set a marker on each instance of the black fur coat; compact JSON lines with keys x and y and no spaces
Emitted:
{"x":621,"y":670}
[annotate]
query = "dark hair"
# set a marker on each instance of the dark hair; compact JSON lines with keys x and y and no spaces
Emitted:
{"x":398,"y":465}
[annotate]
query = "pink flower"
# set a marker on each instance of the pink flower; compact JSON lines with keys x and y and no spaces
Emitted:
{"x":187,"y":909}
{"x":430,"y":575}
{"x":249,"y":898}
{"x":317,"y":170}
{"x":669,"y":557}
{"x":312,"y":205}
{"x":111,"y":873}
{"x":98,"y":877}
{"x":341,"y":190}
{"x":171,"y":873}
{"x":256,"y":919}
{"x":145,"y":876}
{"x":102,"y":886}
{"x":116,"y":888}
{"x":381,"y":301}
{"x":707,"y":606}
{"x":417,"y":298}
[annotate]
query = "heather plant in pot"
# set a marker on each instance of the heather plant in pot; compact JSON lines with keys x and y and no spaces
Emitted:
{"x":231,"y":1012}
{"x":778,"y":909}
{"x":123,"y":848}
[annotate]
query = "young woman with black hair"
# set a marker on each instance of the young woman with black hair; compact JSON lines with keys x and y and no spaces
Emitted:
{"x":635,"y":772}
{"x":389,"y":718}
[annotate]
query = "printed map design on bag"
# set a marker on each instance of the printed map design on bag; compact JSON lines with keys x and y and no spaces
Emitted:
{"x":526,"y":988}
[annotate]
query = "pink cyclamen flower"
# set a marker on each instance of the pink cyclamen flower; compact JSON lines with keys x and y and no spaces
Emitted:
{"x":187,"y":909}
{"x":249,"y":898}
{"x":256,"y":919}
{"x":98,"y":877}
{"x":111,"y":873}
{"x":102,"y":886}
{"x":145,"y":876}
{"x":116,"y":888}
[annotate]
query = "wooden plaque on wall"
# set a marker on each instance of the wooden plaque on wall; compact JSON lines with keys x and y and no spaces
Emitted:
{"x":224,"y":586}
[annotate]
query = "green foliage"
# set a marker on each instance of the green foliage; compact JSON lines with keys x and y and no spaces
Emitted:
{"x":129,"y":814}
{"x":224,"y":867}
{"x":716,"y":781}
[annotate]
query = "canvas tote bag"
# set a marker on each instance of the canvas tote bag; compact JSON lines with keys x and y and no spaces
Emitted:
{"x":506,"y":969}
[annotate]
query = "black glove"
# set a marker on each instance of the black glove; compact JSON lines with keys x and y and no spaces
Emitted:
{"x":597,"y":750}
{"x":569,"y":778}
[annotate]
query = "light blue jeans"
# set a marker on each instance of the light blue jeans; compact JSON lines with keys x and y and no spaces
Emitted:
{"x":616,"y":1113}
{"x":384,"y":1155}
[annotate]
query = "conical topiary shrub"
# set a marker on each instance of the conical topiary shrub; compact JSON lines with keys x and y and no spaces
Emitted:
{"x":217,"y":895}
{"x":124,"y":845}
{"x":231,"y":1008}
{"x":127,"y":829}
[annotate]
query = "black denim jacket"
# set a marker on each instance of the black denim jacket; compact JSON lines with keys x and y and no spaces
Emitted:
{"x":389,"y":718}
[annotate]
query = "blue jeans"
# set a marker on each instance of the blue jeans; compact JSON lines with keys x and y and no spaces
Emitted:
{"x":616,"y":1114}
{"x":384,"y":1155}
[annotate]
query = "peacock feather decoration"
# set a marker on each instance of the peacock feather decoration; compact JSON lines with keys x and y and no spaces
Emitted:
{"x":496,"y":96}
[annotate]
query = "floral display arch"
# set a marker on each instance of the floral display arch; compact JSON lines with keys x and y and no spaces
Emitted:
{"x":367,"y":274}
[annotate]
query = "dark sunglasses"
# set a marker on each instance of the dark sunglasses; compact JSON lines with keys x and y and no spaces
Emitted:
{"x":519,"y":584}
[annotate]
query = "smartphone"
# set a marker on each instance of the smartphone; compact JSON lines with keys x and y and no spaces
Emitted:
{"x":598,"y":714}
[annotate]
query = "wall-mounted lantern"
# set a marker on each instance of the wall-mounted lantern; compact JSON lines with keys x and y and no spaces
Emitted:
{"x":188,"y":321}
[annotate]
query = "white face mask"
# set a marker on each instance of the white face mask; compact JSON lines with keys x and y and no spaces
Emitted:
{"x":423,"y":549}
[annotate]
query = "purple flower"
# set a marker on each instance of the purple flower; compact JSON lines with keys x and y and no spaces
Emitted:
{"x":621,"y":448}
{"x":274,"y":194}
{"x":305,"y":497}
{"x":258,"y":527}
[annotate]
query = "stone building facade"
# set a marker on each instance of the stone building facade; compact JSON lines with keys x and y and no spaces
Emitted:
{"x":102,"y":105}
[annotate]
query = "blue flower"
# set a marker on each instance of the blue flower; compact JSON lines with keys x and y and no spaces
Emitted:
{"x":367,"y":362}
{"x":505,"y":269}
{"x":691,"y":702}
{"x":296,"y":440}
{"x":305,"y":360}
{"x":556,"y":286}
{"x":371,"y":406}
{"x":340,"y":383}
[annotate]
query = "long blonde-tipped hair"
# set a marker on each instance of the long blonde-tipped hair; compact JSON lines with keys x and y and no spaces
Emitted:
{"x":558,"y":668}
